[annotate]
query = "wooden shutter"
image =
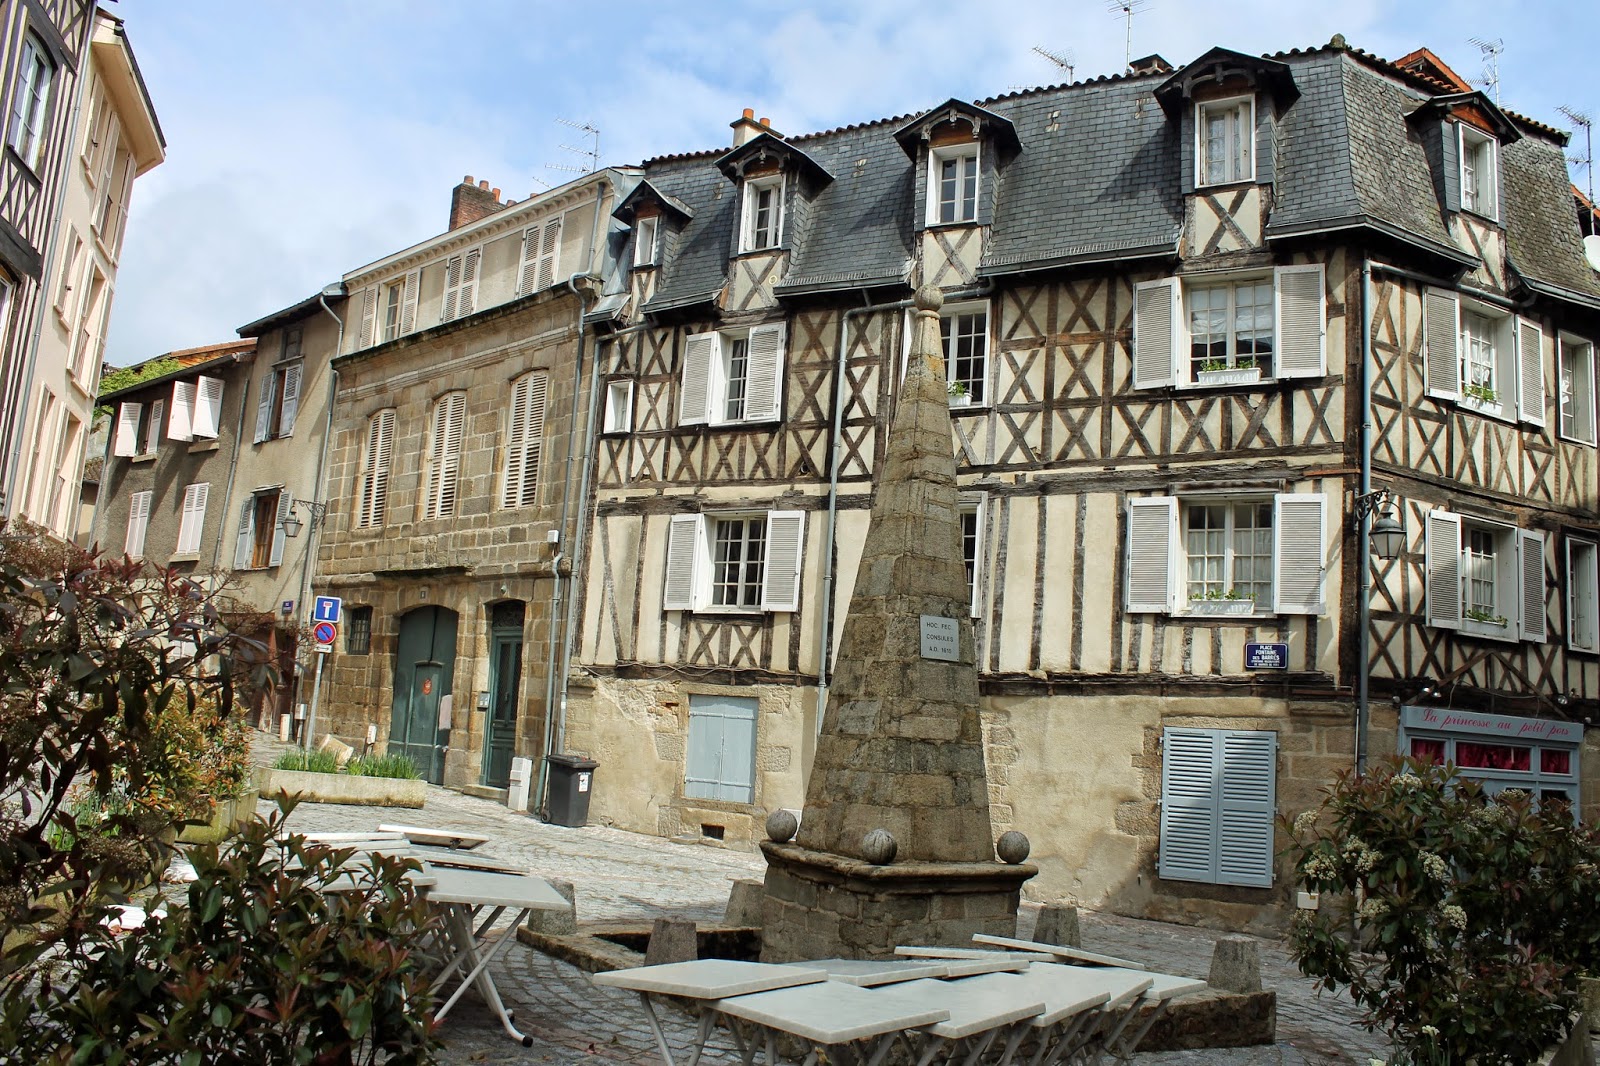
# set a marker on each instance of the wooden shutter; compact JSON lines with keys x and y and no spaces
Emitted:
{"x":700,"y":351}
{"x":524,"y":441}
{"x":1248,"y":803}
{"x":1530,"y":372}
{"x":452,"y":288}
{"x":138,"y":523}
{"x":369,"y":318}
{"x":244,"y":539}
{"x":780,"y":588}
{"x":469,"y":283}
{"x":375,"y":482}
{"x":1189,"y":804}
{"x":285,"y":501}
{"x":408,"y":303}
{"x":1531,"y":585}
{"x":180,"y":419}
{"x":722,"y":749}
{"x":1443,"y":578}
{"x":528,"y":267}
{"x":763,"y":398}
{"x":1152,"y":539}
{"x":152,"y":432}
{"x":1300,"y":326}
{"x":269,"y":387}
{"x":1583,"y":596}
{"x":445,"y":455}
{"x":1441,"y":331}
{"x":191,"y":525}
{"x":549,"y":253}
{"x":207,"y":407}
{"x":684,"y":537}
{"x":291,"y":399}
{"x":1298,"y":553}
{"x":127,"y":439}
{"x":1157,"y":327}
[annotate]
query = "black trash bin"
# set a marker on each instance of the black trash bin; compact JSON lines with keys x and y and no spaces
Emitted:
{"x":571,"y":785}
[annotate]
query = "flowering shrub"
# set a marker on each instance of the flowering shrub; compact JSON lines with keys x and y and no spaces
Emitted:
{"x":1471,"y":915}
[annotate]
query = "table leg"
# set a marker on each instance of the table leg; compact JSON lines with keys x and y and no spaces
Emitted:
{"x":1098,"y":1051}
{"x":655,"y":1027}
{"x":1125,"y":1047}
{"x":1018,"y":1033}
{"x":460,"y":922}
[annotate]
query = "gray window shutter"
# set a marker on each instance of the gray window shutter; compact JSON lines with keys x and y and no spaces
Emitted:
{"x":369,"y":318}
{"x":1157,"y":326}
{"x":1248,"y":804}
{"x":179,"y":418}
{"x":528,"y":268}
{"x":1190,"y":794}
{"x":408,"y":303}
{"x":452,"y":289}
{"x":694,"y":398}
{"x":1152,"y":539}
{"x":375,"y":481}
{"x":1298,"y":553}
{"x":549,"y":253}
{"x":469,"y":283}
{"x":1530,"y":372}
{"x":243,"y":545}
{"x":684,"y":537}
{"x":448,"y":417}
{"x":1450,"y":165}
{"x":1300,"y":326}
{"x":291,"y":399}
{"x":722,"y":749}
{"x":269,"y":386}
{"x":780,"y":589}
{"x":1443,"y":561}
{"x":764,"y":391}
{"x":127,"y":440}
{"x":285,"y":501}
{"x":1531,"y":586}
{"x":1441,"y":329}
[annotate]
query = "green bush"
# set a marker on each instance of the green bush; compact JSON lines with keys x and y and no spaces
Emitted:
{"x":1460,"y":922}
{"x":397,"y":766}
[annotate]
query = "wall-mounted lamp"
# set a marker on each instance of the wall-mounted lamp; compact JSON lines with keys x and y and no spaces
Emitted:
{"x":292,"y":524}
{"x":1387,"y":536}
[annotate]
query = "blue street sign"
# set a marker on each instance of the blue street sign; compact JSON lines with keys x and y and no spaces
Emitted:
{"x":326,"y":609}
{"x":1266,"y":656}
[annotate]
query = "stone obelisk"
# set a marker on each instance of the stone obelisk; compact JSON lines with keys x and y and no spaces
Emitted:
{"x":895,"y":845}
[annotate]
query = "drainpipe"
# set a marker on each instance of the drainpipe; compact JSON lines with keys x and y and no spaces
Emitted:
{"x":1363,"y":543}
{"x":322,"y":456}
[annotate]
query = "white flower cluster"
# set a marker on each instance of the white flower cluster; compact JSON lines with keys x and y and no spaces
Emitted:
{"x":1435,"y":867}
{"x":1320,"y":868}
{"x":1372,"y":909}
{"x":1406,"y":777}
{"x":1362,"y":857}
{"x":1429,"y":1031}
{"x":1453,"y":915}
{"x":1304,"y":821}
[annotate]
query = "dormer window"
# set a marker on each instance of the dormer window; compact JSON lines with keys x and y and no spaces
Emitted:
{"x":1479,"y":172}
{"x":953,"y":192}
{"x":645,"y":234}
{"x":763,"y":214}
{"x":1225,"y":141}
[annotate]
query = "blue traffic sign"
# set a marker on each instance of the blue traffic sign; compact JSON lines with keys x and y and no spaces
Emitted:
{"x":326,"y":609}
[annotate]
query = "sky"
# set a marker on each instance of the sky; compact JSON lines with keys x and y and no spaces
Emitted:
{"x":306,"y":139}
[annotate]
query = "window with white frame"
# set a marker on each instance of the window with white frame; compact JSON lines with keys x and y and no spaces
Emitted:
{"x":394,"y":295}
{"x":192,"y":518}
{"x":30,"y":100}
{"x":964,"y":334}
{"x":1218,"y":802}
{"x":372,"y":497}
{"x":196,"y":409}
{"x":953,"y":184}
{"x":1583,"y":595}
{"x":138,"y":429}
{"x":460,"y":285}
{"x":1480,"y":171}
{"x":138,"y":523}
{"x":970,"y":511}
{"x":646,"y":232}
{"x":721,"y":759}
{"x":1577,"y":390}
{"x":762,"y":226}
{"x":619,"y":406}
{"x":732,"y":377}
{"x":541,"y":254}
{"x":444,"y":455}
{"x":260,"y":540}
{"x":1538,"y":756}
{"x":1483,"y":358}
{"x":524,"y":440}
{"x":1217,"y":554}
{"x":1484,"y":578}
{"x":280,"y":401}
{"x":68,"y":284}
{"x":735,"y":561}
{"x":88,"y":332}
{"x":1229,"y":330}
{"x":389,"y":310}
{"x":1225,"y":141}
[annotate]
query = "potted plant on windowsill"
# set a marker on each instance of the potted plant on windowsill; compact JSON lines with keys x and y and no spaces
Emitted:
{"x":1480,"y":396}
{"x":959,"y":396}
{"x":1216,"y":602}
{"x":1484,"y":621}
{"x":1244,"y":371}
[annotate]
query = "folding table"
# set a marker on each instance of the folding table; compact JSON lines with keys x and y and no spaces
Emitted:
{"x":1058,"y":950}
{"x":918,"y":951}
{"x":1078,"y":1001}
{"x":444,"y":838}
{"x":844,"y":1020}
{"x":870,"y":973}
{"x":1164,"y":988}
{"x":981,"y":1010}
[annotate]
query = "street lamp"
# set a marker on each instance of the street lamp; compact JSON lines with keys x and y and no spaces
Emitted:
{"x":292,"y":525}
{"x":1385,"y":538}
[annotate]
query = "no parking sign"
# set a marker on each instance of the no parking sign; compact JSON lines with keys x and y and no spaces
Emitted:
{"x":324,"y":633}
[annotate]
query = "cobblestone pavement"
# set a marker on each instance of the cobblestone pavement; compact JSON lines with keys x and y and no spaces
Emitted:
{"x":623,"y":875}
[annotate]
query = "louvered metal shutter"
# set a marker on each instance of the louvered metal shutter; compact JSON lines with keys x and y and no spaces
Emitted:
{"x":1189,"y":802}
{"x":1157,"y":325}
{"x":1441,"y":324}
{"x":1152,"y":536}
{"x":1298,"y":553}
{"x":1248,"y":804}
{"x":1300,"y":326}
{"x":1218,"y":801}
{"x":1531,"y":585}
{"x":1443,"y":562}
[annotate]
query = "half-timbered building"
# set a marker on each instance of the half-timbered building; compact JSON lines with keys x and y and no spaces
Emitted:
{"x":1196,"y":322}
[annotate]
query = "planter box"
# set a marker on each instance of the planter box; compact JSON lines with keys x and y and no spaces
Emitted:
{"x":341,"y":788}
{"x":1235,"y":376}
{"x":224,"y":821}
{"x":1222,"y":608}
{"x":964,"y":400}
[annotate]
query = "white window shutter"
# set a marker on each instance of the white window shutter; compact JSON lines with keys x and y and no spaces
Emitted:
{"x":1531,"y":587}
{"x":1583,"y":596}
{"x":684,"y":535}
{"x":1443,"y":578}
{"x":528,"y":268}
{"x":269,"y":386}
{"x":408,"y":303}
{"x":181,"y":416}
{"x":158,"y":415}
{"x":138,"y":523}
{"x":244,"y":542}
{"x":1441,"y":332}
{"x":1530,"y":372}
{"x":1300,"y":326}
{"x":285,"y":501}
{"x":369,"y":318}
{"x":207,"y":407}
{"x":694,"y":399}
{"x":1578,"y":357}
{"x":449,"y":414}
{"x":291,"y":399}
{"x":549,"y":253}
{"x":763,"y":398}
{"x":191,"y":526}
{"x":452,"y":288}
{"x":516,"y":438}
{"x":375,"y":484}
{"x":1152,"y":538}
{"x":780,"y":590}
{"x":1248,"y":804}
{"x":1190,"y":801}
{"x":1298,"y":555}
{"x":127,"y":441}
{"x":469,"y":283}
{"x":1157,"y":327}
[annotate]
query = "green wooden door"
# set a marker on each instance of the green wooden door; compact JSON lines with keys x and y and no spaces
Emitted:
{"x":505,"y":685}
{"x":424,"y":671}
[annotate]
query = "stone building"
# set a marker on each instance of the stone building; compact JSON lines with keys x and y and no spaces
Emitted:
{"x":461,"y":398}
{"x":80,"y":128}
{"x":1171,"y":300}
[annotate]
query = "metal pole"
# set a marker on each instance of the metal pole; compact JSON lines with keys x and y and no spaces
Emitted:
{"x":1364,"y":528}
{"x":316,"y":691}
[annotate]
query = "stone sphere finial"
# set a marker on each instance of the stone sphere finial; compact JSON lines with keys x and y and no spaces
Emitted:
{"x":1012,"y":847}
{"x":928,"y":298}
{"x":782,"y":826}
{"x":878,"y":847}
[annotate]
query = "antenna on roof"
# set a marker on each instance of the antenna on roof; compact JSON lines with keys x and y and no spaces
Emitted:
{"x":1062,"y":59}
{"x":1491,"y":63}
{"x":592,"y":153}
{"x":1585,"y":161}
{"x":1126,"y":9}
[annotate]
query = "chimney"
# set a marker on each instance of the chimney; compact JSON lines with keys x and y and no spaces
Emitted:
{"x":469,"y":202}
{"x":747,"y":127}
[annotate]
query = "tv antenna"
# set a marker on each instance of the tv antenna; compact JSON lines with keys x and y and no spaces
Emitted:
{"x":1586,"y":160}
{"x":1491,"y":63}
{"x":591,"y":153}
{"x":1127,"y":8}
{"x":1062,"y":59}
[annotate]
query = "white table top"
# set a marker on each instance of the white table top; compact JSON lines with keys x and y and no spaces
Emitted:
{"x":976,"y":967}
{"x":448,"y":838}
{"x":1069,"y":990}
{"x":1163,"y":985}
{"x":916,"y":951}
{"x":832,"y":1012}
{"x":709,"y":978}
{"x":976,"y":1004}
{"x":465,"y":860}
{"x":869,"y":973}
{"x":1076,"y":954}
{"x":481,"y":888}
